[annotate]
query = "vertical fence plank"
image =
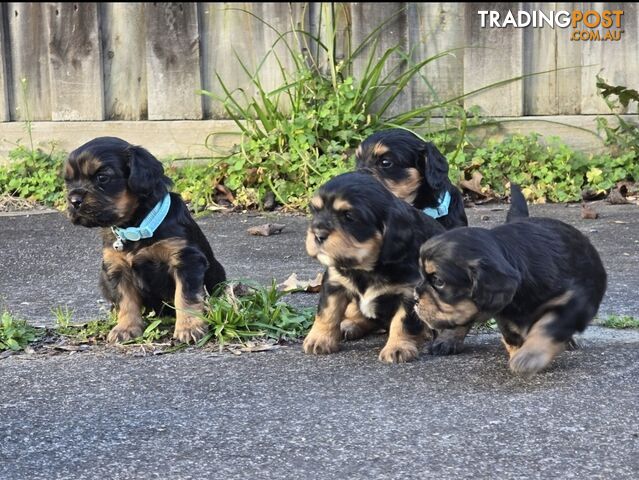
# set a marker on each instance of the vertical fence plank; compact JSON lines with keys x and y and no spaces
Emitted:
{"x":568,"y":57}
{"x":496,"y":56}
{"x":75,"y":63}
{"x":366,"y":18}
{"x":4,"y":83}
{"x":123,"y":47}
{"x":173,"y":61}
{"x":29,"y":59}
{"x":435,"y":28}
{"x":617,"y":60}
{"x":540,"y":47}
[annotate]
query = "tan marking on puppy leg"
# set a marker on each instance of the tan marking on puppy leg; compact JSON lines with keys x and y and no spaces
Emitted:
{"x":130,"y":324}
{"x":538,"y":349}
{"x":189,"y":325}
{"x":511,"y":349}
{"x":407,"y":188}
{"x":355,"y":325}
{"x":325,"y":334}
{"x":401,"y":346}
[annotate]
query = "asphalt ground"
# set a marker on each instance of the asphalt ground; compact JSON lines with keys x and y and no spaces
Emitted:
{"x":277,"y":414}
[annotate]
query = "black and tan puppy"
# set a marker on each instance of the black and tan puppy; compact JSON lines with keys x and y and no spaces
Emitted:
{"x":369,"y":241}
{"x":541,"y":279}
{"x":153,"y":251}
{"x":416,"y":172}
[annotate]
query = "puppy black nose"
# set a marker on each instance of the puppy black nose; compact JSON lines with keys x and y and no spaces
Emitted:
{"x":75,"y":199}
{"x":321,"y":235}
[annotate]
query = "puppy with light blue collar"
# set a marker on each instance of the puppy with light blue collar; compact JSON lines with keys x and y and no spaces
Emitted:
{"x":154,"y":254}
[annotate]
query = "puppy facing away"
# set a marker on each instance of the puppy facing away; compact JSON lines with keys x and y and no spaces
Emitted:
{"x":414,"y":171}
{"x":541,"y":279}
{"x":153,"y":251}
{"x":369,"y":241}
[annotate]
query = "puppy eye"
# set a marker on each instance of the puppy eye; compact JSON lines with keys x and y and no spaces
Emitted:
{"x":386,"y":163}
{"x":348,"y":216}
{"x":101,"y":178}
{"x":437,"y":282}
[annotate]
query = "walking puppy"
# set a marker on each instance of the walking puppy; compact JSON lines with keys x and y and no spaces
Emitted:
{"x":416,"y":172}
{"x":153,"y":251}
{"x":541,"y":279}
{"x":369,"y":242}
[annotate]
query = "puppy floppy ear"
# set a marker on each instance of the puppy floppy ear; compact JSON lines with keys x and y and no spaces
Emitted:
{"x":435,"y":167}
{"x":494,"y":285}
{"x":146,"y":171}
{"x":398,"y":238}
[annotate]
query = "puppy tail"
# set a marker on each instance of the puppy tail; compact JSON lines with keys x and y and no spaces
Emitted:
{"x":518,"y":207}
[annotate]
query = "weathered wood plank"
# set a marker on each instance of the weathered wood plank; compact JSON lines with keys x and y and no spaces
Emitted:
{"x":75,"y":62}
{"x":4,"y":92}
{"x":539,"y":48}
{"x":186,"y":138}
{"x":123,"y":47}
{"x":569,"y":57}
{"x":496,"y":55}
{"x":29,"y":60}
{"x":618,"y":61}
{"x":367,"y":17}
{"x":173,"y":61}
{"x":434,"y":28}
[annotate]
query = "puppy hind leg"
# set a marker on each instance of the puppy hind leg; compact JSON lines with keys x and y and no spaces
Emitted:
{"x":405,"y":338}
{"x":539,"y":348}
{"x":355,"y":325}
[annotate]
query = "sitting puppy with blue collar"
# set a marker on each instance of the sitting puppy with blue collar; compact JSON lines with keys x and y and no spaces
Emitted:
{"x":416,"y":172}
{"x":153,"y":251}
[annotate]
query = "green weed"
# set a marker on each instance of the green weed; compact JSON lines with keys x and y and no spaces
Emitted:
{"x":620,"y":321}
{"x":16,"y":334}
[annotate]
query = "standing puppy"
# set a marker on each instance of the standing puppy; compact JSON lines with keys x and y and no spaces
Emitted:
{"x":541,"y":279}
{"x":369,"y":241}
{"x":416,"y":172}
{"x":153,"y":251}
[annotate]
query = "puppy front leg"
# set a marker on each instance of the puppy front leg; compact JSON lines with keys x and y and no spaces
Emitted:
{"x":189,"y":291}
{"x":405,"y":337}
{"x":449,"y":341}
{"x":325,"y":333}
{"x":355,"y":325}
{"x":129,"y":307}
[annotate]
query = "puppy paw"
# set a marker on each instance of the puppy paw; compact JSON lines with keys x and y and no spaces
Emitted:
{"x":352,"y":330}
{"x":529,"y":362}
{"x":399,"y":352}
{"x":190,"y":329}
{"x":572,"y":344}
{"x":445,"y":347}
{"x":320,"y":343}
{"x":124,"y":333}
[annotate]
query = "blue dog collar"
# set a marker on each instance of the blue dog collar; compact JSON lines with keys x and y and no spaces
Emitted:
{"x":442,"y":209}
{"x":147,"y":228}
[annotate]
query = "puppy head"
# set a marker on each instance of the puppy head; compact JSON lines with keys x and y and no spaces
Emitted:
{"x":408,"y":166}
{"x":109,"y":180}
{"x":355,"y":223}
{"x":465,"y":277}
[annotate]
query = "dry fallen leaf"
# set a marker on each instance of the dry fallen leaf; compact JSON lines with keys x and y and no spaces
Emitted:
{"x":292,"y":283}
{"x":617,"y":196}
{"x":266,"y":229}
{"x":474,"y":184}
{"x":588,"y":213}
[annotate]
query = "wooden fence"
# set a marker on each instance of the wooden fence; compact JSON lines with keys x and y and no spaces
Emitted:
{"x":146,"y":61}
